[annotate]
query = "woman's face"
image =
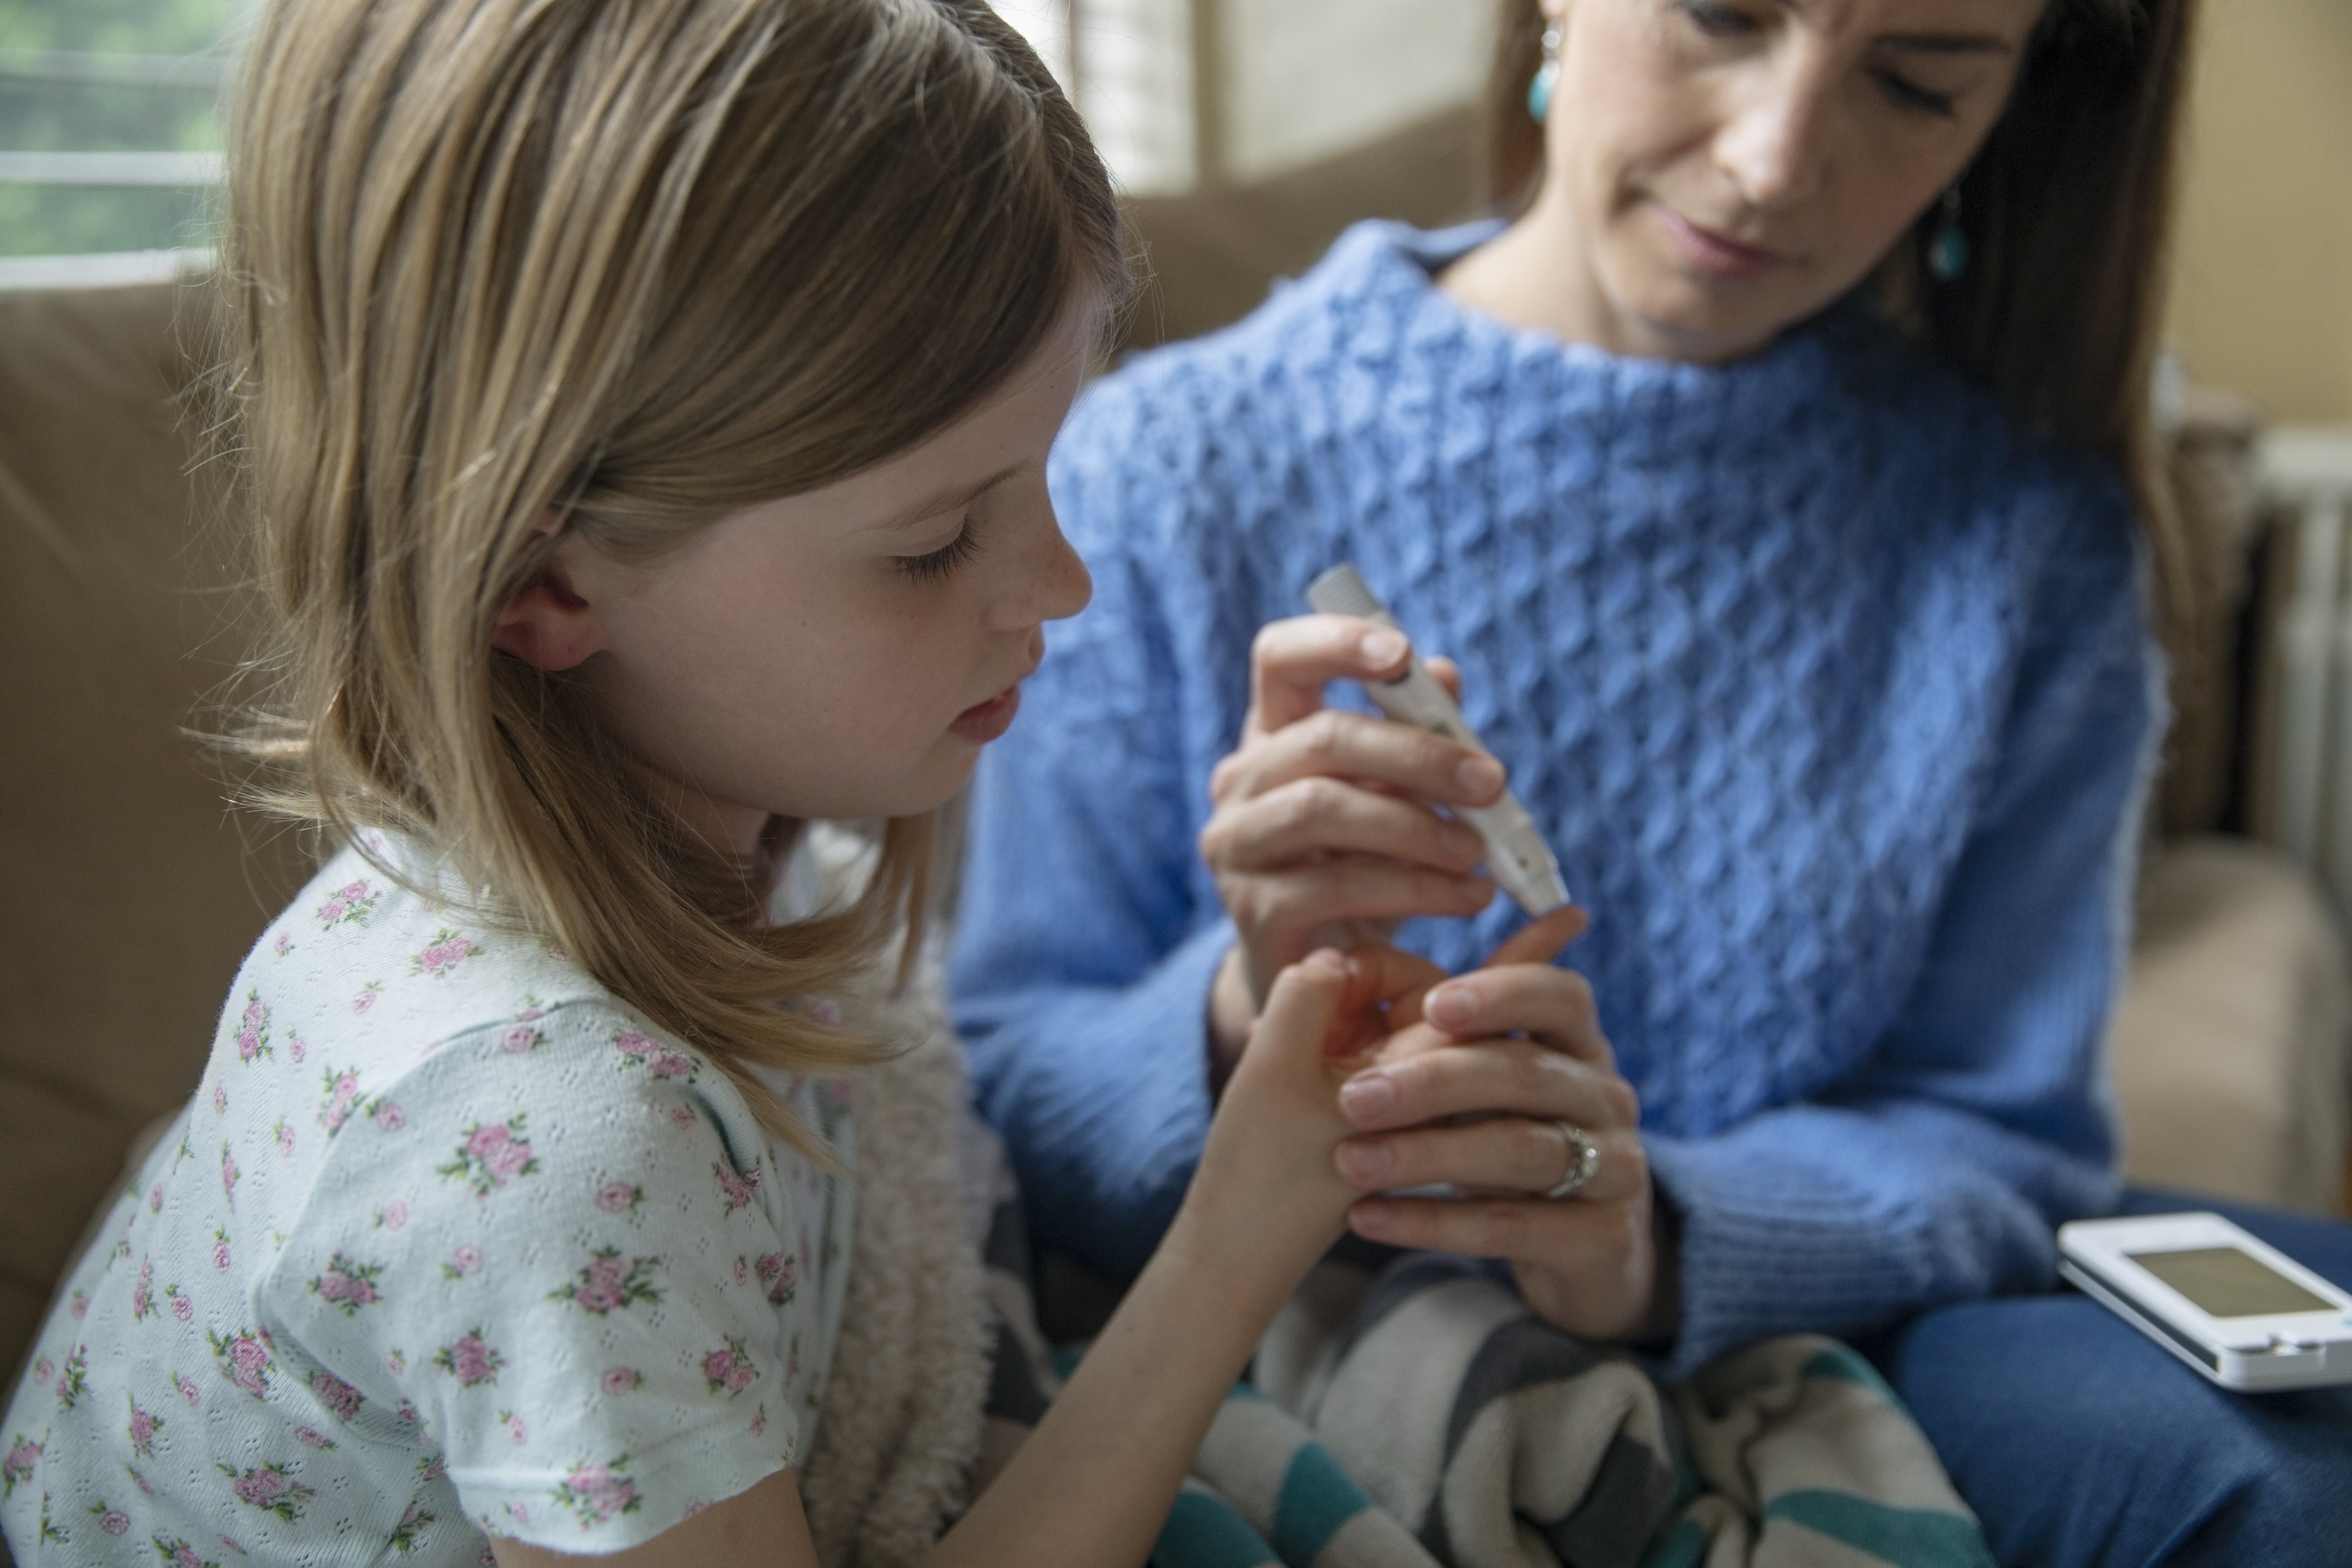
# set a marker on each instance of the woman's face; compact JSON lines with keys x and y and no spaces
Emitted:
{"x":1722,"y":169}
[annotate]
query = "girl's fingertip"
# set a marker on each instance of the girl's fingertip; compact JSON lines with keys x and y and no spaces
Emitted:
{"x":1328,"y":960}
{"x":1371,"y":1217}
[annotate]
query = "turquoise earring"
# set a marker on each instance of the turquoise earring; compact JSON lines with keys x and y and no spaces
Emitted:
{"x":1547,"y":76}
{"x":1948,"y":252}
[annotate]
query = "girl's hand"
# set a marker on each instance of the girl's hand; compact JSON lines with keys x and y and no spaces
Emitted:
{"x":1323,"y":832}
{"x":1472,"y":1091}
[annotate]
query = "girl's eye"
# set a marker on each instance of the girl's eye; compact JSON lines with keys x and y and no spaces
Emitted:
{"x":936,"y":566}
{"x":1904,"y":93}
{"x":1718,"y":21}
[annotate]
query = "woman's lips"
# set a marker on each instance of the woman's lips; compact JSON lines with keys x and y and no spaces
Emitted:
{"x":984,"y":722}
{"x":1718,"y":256}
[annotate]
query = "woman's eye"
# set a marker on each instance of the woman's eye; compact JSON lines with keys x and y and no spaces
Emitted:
{"x":937,"y":565}
{"x":1904,"y":93}
{"x":1718,"y":21}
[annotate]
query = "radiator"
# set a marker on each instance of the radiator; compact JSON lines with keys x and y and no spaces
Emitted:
{"x":2303,"y":793}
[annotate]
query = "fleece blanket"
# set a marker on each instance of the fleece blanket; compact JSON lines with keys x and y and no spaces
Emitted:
{"x":1420,"y":1416}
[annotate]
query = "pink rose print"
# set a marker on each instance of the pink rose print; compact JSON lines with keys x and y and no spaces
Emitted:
{"x":681,"y":1117}
{"x":229,"y":1173}
{"x":253,"y":1029}
{"x":760,"y":1422}
{"x":366,"y":996}
{"x":42,"y":1369}
{"x":285,"y":1136}
{"x":270,"y":1489}
{"x":743,"y":1270}
{"x":342,"y":1088}
{"x":155,"y":1198}
{"x":142,"y":1429}
{"x":660,"y":1060}
{"x":396,"y":1363}
{"x":432,"y":1467}
{"x":336,"y":1395}
{"x":112,"y":1520}
{"x":346,"y":1284}
{"x":243,"y":1360}
{"x":623,"y":1380}
{"x":466,"y":1260}
{"x":180,"y":1555}
{"x":311,"y":1437}
{"x":187,"y":1389}
{"x":350,"y":904}
{"x":220,"y":1101}
{"x":395,"y":1215}
{"x":220,"y":1248}
{"x":517,"y":1432}
{"x":777,"y":1273}
{"x":184,"y":1306}
{"x":447,"y":950}
{"x":140,"y":1481}
{"x":283,"y":945}
{"x":142,"y":1293}
{"x":739,"y":1189}
{"x":596,"y":1493}
{"x":79,"y":1303}
{"x":728,"y":1371}
{"x":619,"y":1197}
{"x":492,"y":1154}
{"x":520,"y":1039}
{"x":407,"y":1413}
{"x":390,"y":1117}
{"x":73,"y":1378}
{"x":24,"y":1456}
{"x":295,"y":1049}
{"x":608,"y":1284}
{"x":471,"y":1359}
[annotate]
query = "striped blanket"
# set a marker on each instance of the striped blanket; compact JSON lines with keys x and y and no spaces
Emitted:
{"x":1420,"y":1416}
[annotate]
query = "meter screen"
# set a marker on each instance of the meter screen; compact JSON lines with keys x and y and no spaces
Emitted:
{"x":2224,"y":1282}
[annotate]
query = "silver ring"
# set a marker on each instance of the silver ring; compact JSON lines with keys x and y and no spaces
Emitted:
{"x":1583,"y":1160}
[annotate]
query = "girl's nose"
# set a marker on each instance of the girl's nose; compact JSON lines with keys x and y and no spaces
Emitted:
{"x":1053,"y":583}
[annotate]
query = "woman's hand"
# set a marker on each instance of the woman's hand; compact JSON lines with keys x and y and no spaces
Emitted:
{"x":1471,"y":1091}
{"x":1325,"y":831}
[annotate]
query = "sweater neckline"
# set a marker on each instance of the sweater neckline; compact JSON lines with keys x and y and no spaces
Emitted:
{"x":1395,"y":266}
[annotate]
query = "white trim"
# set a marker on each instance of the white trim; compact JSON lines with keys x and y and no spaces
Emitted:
{"x":108,"y":269}
{"x":112,"y":168}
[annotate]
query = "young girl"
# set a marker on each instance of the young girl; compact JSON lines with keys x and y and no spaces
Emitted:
{"x":646,"y":406}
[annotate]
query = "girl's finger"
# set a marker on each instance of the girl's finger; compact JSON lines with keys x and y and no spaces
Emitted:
{"x":1506,"y":1153}
{"x":1309,"y":818}
{"x":1302,"y":1007}
{"x":1542,"y":941}
{"x":1495,"y":1228}
{"x":1506,"y":1077}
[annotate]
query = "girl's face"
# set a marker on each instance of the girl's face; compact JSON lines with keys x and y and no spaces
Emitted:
{"x":1721,"y":169}
{"x":842,"y":653}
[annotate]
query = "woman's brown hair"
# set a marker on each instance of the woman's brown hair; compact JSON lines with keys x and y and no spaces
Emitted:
{"x":2066,"y":208}
{"x":633,"y":265}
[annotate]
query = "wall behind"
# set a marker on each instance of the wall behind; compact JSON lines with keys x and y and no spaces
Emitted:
{"x":2263,"y":270}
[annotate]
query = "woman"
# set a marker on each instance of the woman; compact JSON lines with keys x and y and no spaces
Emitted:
{"x":1771,"y":475}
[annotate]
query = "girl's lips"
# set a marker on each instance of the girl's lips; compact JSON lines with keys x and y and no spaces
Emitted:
{"x":1714,"y":254}
{"x":984,"y":722}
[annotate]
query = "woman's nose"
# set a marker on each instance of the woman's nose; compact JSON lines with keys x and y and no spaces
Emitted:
{"x":1774,"y":145}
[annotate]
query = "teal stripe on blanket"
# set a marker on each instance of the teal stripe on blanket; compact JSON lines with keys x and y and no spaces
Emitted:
{"x":1842,"y":1365}
{"x":1316,"y":1499}
{"x":1684,"y":1547}
{"x":1204,"y":1531}
{"x":1906,"y":1537}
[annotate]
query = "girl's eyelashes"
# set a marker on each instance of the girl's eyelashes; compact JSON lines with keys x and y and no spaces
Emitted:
{"x":940,"y":563}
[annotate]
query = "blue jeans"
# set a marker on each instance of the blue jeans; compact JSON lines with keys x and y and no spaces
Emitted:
{"x":2077,"y":1441}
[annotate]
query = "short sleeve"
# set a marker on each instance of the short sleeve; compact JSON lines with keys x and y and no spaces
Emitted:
{"x":554,"y":1253}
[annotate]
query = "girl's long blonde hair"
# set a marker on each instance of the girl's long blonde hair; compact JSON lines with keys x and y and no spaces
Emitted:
{"x":635,"y":264}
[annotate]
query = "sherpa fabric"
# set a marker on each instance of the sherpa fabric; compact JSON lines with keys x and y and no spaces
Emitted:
{"x":1831,"y":689}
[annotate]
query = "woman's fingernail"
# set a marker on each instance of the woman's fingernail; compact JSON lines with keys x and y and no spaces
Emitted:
{"x":1479,"y":776}
{"x":1329,"y":959}
{"x":1371,"y":1219}
{"x":1452,"y":1005}
{"x":1364,"y":1099}
{"x":1383,"y":648}
{"x":1363,"y":1161}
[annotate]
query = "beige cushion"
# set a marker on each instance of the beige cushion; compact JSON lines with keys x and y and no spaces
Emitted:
{"x":129,"y":898}
{"x":2229,"y":1045}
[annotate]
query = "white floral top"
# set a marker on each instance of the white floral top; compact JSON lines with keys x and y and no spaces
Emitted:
{"x":451,"y":1243}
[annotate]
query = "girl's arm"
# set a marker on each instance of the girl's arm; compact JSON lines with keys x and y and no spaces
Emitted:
{"x":1093,"y":1482}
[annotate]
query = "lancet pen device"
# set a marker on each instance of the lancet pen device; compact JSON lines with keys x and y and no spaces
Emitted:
{"x":1516,"y":853}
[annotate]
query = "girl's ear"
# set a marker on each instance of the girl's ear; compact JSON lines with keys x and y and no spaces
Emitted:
{"x":547,"y":624}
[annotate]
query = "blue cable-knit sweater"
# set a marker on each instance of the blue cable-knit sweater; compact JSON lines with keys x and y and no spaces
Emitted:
{"x":1831,"y":689}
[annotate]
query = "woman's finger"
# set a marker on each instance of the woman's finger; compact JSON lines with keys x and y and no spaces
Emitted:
{"x":1552,"y":1005}
{"x":1292,"y":660}
{"x":1509,"y":1077}
{"x":1330,"y":743}
{"x":1280,"y":909}
{"x":1506,"y":1153}
{"x":1313,"y":818}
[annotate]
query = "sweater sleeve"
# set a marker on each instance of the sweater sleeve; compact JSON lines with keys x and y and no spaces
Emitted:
{"x":1085,"y":939}
{"x":1940,"y":1172}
